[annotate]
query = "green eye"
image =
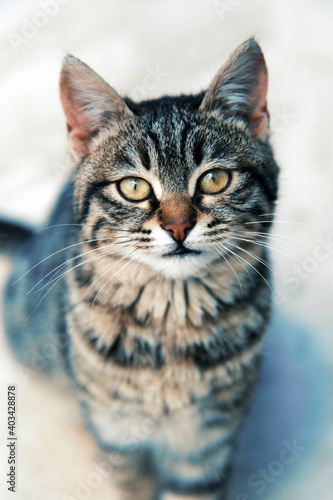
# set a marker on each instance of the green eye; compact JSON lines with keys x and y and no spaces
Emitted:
{"x":134,"y":188}
{"x":214,"y":181}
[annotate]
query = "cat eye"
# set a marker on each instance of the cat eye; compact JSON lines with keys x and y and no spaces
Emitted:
{"x":214,"y":181}
{"x":134,"y":189}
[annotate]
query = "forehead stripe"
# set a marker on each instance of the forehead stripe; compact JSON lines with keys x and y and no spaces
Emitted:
{"x":144,"y":156}
{"x":155,"y":142}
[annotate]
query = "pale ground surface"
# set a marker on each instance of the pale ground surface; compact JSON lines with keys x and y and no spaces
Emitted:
{"x":124,"y":41}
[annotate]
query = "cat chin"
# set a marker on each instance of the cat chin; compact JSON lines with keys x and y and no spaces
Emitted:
{"x":180,"y":267}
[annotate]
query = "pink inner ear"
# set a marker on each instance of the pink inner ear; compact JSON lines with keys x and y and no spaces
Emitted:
{"x":239,"y":88}
{"x":80,"y":141}
{"x":80,"y":127}
{"x":259,"y":116}
{"x":88,"y":102}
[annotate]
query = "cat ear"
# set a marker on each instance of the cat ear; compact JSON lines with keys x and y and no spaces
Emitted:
{"x":240,"y":88}
{"x":89,"y":104}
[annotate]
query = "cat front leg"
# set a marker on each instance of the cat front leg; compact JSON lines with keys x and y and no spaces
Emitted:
{"x":131,"y":477}
{"x":221,"y":494}
{"x":175,"y":496}
{"x":212,"y":488}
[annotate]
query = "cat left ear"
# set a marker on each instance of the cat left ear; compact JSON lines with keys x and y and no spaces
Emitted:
{"x":89,"y":104}
{"x":240,"y":88}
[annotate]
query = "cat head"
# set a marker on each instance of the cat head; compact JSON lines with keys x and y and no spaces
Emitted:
{"x":174,"y":182}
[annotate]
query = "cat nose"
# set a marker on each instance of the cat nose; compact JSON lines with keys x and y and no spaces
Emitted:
{"x":178,"y":230}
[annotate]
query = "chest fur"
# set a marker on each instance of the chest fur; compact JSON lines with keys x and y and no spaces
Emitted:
{"x":158,"y":336}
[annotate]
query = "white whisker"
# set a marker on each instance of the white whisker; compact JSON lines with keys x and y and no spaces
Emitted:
{"x":121,"y":269}
{"x":253,"y":255}
{"x":266,"y":245}
{"x":256,"y":270}
{"x":55,"y":253}
{"x":231,"y":267}
{"x":67,"y":262}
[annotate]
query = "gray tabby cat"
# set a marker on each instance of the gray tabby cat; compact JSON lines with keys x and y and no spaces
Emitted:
{"x":153,"y":283}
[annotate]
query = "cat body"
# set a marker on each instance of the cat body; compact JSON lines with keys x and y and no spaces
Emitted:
{"x":154,"y":294}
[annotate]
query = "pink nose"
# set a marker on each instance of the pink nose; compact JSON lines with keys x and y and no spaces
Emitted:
{"x":178,"y":230}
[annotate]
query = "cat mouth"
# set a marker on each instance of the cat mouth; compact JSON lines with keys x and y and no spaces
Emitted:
{"x":181,"y":251}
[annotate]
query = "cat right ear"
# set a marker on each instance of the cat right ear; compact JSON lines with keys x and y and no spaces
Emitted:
{"x":89,"y":104}
{"x":240,"y":88}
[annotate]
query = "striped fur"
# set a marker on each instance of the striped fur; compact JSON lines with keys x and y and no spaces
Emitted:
{"x":162,"y":346}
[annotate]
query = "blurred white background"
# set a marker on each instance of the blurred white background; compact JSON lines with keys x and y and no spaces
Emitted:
{"x":180,"y":45}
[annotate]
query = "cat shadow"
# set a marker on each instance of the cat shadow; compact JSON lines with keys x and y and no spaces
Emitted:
{"x":287,"y":414}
